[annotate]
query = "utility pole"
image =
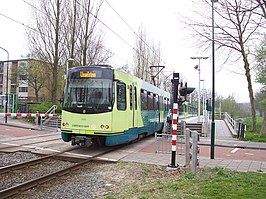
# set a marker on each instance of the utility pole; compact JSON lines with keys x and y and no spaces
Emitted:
{"x":197,"y":67}
{"x":153,"y":76}
{"x":6,"y":82}
{"x":175,"y":82}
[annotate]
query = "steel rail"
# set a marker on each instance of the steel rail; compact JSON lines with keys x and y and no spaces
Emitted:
{"x":20,"y":165}
{"x":22,"y":145}
{"x":28,"y":137}
{"x":32,"y":183}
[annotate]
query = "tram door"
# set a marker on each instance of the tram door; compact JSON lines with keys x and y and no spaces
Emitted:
{"x":133,"y":103}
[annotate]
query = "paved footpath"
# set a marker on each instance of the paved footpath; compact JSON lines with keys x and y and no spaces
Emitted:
{"x":144,"y":151}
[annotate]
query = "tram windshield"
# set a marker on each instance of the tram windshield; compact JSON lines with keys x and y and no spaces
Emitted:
{"x":88,"y":95}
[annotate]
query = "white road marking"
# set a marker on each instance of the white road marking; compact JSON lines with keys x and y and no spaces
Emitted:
{"x":234,"y":150}
{"x":76,"y":154}
{"x":249,"y":153}
{"x":29,"y":146}
{"x":11,"y":144}
{"x":53,"y":150}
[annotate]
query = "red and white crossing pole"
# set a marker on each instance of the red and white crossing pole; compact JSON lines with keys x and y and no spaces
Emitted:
{"x":174,"y":130}
{"x":27,"y":115}
{"x":174,"y":119}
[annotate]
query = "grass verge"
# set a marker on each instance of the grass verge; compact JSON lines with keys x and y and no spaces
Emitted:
{"x":208,"y":183}
{"x":254,"y":136}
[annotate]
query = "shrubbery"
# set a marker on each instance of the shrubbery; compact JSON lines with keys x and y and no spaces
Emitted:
{"x":248,"y":123}
{"x":44,"y":106}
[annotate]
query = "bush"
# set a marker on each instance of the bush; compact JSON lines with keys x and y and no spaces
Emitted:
{"x":44,"y":106}
{"x":248,"y":123}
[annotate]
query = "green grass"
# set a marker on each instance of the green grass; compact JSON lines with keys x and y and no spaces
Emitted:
{"x":208,"y":183}
{"x":248,"y":123}
{"x":254,"y":136}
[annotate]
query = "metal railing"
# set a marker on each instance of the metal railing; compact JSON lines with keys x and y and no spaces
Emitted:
{"x":163,"y":143}
{"x":230,"y":120}
{"x":50,"y":111}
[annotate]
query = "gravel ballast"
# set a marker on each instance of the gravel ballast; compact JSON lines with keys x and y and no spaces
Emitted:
{"x":96,"y":180}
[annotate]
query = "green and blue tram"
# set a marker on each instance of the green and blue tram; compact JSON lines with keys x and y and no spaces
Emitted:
{"x":109,"y":107}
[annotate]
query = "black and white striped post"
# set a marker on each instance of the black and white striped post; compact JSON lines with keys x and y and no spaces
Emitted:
{"x":174,"y":119}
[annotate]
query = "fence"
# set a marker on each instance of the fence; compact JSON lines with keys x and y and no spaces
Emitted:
{"x":185,"y":146}
{"x":36,"y":115}
{"x":163,"y":143}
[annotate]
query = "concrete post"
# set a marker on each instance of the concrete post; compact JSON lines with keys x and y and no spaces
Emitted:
{"x":183,"y":127}
{"x":187,"y":147}
{"x":37,"y":119}
{"x":194,"y":151}
{"x":41,"y":123}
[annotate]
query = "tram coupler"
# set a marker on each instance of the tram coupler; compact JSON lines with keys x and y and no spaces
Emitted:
{"x":81,"y":141}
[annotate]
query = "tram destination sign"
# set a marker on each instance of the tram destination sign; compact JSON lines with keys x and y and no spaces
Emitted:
{"x":87,"y":74}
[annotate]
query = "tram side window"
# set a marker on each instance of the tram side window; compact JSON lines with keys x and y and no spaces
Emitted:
{"x":135,"y":92}
{"x":165,"y":104}
{"x":150,"y":101}
{"x":121,"y":96}
{"x":161,"y":103}
{"x":130,"y":97}
{"x":144,"y":102}
{"x":155,"y":100}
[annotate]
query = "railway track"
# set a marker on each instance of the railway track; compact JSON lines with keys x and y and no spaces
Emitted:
{"x":23,"y":186}
{"x":28,"y":137}
{"x":11,"y":145}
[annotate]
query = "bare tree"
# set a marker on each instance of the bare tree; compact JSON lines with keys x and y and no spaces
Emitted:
{"x":261,"y":78}
{"x":146,"y":54}
{"x":35,"y":78}
{"x":262,"y":5}
{"x":237,"y":28}
{"x":90,"y":48}
{"x":45,"y":41}
{"x":66,"y":29}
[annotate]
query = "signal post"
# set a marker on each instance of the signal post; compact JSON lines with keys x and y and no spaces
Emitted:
{"x":175,"y":82}
{"x":184,"y":91}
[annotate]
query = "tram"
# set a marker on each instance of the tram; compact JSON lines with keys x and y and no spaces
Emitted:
{"x":109,"y":107}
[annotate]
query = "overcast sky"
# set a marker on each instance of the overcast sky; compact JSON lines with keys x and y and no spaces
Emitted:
{"x":161,"y":21}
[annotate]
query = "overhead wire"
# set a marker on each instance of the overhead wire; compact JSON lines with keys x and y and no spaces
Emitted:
{"x":93,"y":43}
{"x":131,"y":28}
{"x":115,"y":33}
{"x":138,"y":36}
{"x":33,"y":29}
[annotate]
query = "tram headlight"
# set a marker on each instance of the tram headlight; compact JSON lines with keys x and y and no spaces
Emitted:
{"x":65,"y":124}
{"x":106,"y":126}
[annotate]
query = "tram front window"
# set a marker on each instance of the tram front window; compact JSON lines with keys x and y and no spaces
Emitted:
{"x":88,"y":95}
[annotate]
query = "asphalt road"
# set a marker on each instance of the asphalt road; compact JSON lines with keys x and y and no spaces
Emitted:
{"x":231,"y":153}
{"x":10,"y":131}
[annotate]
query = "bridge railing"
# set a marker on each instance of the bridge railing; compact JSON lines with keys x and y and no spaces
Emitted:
{"x":230,"y":120}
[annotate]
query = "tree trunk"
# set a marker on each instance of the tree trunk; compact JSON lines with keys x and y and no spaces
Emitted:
{"x":37,"y":95}
{"x":56,"y":57}
{"x":73,"y":33}
{"x":247,"y":72}
{"x":263,"y":128}
{"x":251,"y":95}
{"x":86,"y":36}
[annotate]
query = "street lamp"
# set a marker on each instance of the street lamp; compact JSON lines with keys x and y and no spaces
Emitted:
{"x":6,"y":82}
{"x":203,"y":99}
{"x":197,"y":67}
{"x":213,"y":86}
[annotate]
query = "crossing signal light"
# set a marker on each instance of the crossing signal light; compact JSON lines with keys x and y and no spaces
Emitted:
{"x":208,"y":105}
{"x":184,"y":90}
